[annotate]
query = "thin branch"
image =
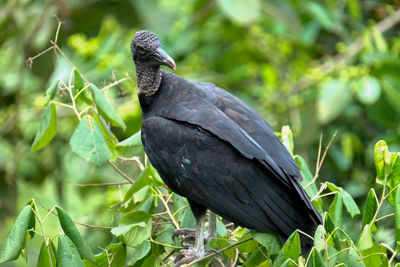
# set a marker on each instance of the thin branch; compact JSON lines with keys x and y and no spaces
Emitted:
{"x":115,"y":83}
{"x":384,"y":217}
{"x":324,"y":195}
{"x":160,"y":196}
{"x":321,"y":161}
{"x":121,"y":172}
{"x":101,"y":184}
{"x":83,"y":224}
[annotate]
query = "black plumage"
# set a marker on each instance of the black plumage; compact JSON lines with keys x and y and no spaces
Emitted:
{"x":213,"y":149}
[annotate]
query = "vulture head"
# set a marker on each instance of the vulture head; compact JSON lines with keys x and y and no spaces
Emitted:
{"x":147,"y":50}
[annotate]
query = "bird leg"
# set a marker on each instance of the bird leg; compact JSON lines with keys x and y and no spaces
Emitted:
{"x":212,"y":225}
{"x":189,"y":234}
{"x":189,"y":253}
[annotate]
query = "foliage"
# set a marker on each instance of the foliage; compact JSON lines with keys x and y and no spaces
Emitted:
{"x":319,"y":66}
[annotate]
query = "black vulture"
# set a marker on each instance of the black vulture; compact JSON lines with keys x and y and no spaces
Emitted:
{"x":212,"y":148}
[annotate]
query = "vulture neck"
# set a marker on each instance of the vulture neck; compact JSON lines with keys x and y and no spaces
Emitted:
{"x":148,"y":79}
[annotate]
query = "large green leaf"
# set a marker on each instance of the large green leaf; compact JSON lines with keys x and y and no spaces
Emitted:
{"x":348,"y":201}
{"x":336,"y":210}
{"x":130,"y":146}
{"x":139,"y":251}
{"x":290,"y":250}
{"x":72,"y":232}
{"x":269,"y":240}
{"x":375,"y":256}
{"x":16,"y":237}
{"x":319,"y":238}
{"x":135,"y":227}
{"x":240,"y":11}
{"x":44,"y":260}
{"x":88,"y":142}
{"x":67,"y":254}
{"x":105,"y":108}
{"x":47,"y":129}
{"x":365,"y":241}
{"x":141,"y":181}
{"x":370,"y":208}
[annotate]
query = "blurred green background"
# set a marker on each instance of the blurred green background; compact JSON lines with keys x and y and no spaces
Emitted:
{"x":318,"y":66}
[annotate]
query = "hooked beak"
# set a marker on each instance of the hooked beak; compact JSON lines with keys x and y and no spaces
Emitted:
{"x":163,"y":58}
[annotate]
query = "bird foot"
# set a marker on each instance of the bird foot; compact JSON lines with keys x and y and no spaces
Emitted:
{"x":189,"y":254}
{"x":188,"y":235}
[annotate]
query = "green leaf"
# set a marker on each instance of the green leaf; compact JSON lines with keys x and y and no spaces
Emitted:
{"x":44,"y":260}
{"x":382,"y":160}
{"x":16,"y":237}
{"x":370,"y":208}
{"x":116,"y":254}
{"x":328,"y":223}
{"x":365,"y":241}
{"x":375,"y":256}
{"x":368,"y":90}
{"x":141,"y":181}
{"x":334,"y":96}
{"x":315,"y":260}
{"x":67,"y":253}
{"x":51,"y":91}
{"x":336,"y":210}
{"x":312,"y":189}
{"x":88,"y":142}
{"x":393,"y":178}
{"x":135,"y":227}
{"x":84,"y":98}
{"x":319,"y":238}
{"x":138,"y":252}
{"x":242,"y":12}
{"x":32,"y":223}
{"x":105,"y":108}
{"x":290,"y":250}
{"x":130,"y":146}
{"x":221,"y":229}
{"x":287,"y":138}
{"x":269,"y":240}
{"x":397,"y":213}
{"x":348,"y":201}
{"x":47,"y":129}
{"x":72,"y":232}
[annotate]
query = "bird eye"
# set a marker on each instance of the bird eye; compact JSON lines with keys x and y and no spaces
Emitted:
{"x":140,"y":50}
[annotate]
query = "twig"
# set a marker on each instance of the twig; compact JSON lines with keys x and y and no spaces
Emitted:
{"x":160,"y":196}
{"x":101,"y":184}
{"x":384,"y":217}
{"x":115,"y":83}
{"x":83,"y":224}
{"x":121,"y":172}
{"x":321,"y":161}
{"x":217,"y":252}
{"x":46,"y":240}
